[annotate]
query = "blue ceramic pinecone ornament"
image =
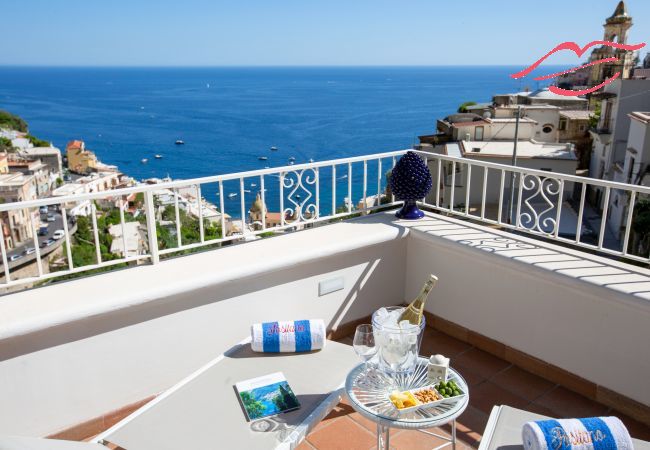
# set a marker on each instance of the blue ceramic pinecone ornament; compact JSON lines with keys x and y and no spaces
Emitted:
{"x":410,"y":178}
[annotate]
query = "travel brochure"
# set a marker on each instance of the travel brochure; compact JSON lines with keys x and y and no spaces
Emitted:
{"x":266,"y":396}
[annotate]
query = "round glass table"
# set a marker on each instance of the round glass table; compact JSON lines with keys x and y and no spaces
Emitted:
{"x":368,"y":393}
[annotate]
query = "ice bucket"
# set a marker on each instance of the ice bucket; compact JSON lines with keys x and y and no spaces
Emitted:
{"x":397,"y":348}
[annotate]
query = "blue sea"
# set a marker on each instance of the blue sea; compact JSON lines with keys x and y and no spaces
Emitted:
{"x":228,"y":117}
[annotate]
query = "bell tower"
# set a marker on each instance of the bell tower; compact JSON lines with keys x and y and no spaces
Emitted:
{"x":616,"y":27}
{"x":618,"y":24}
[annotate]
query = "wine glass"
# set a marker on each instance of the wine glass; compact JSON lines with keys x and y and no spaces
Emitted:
{"x":364,"y":343}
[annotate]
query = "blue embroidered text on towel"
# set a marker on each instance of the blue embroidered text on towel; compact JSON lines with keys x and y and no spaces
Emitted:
{"x":288,"y":336}
{"x":594,"y":433}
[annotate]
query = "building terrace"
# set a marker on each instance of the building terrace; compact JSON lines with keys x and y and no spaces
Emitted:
{"x":531,"y":319}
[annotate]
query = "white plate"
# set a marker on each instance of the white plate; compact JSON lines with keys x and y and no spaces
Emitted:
{"x":425,"y":405}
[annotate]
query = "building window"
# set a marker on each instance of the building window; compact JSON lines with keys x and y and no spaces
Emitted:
{"x":562,"y":125}
{"x":478,"y":133}
{"x":582,"y":127}
{"x":547,"y":128}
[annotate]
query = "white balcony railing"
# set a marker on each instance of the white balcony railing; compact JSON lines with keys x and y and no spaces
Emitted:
{"x":296,"y":192}
{"x":546,"y":204}
{"x":539,"y":203}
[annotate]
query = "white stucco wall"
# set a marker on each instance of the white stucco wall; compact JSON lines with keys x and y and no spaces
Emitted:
{"x":542,"y":300}
{"x":639,"y":141}
{"x":73,"y":351}
{"x":545,"y":117}
{"x":637,"y":158}
{"x":166,"y":321}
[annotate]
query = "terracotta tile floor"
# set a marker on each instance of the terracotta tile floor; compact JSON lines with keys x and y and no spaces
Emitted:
{"x":492,"y":380}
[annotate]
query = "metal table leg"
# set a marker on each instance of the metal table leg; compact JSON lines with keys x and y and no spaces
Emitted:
{"x":383,"y":437}
{"x":453,"y":434}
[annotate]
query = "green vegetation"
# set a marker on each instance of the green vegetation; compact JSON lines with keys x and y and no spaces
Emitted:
{"x":83,"y":241}
{"x":59,"y":182}
{"x":190,"y":232}
{"x":255,"y":408}
{"x":5,"y":145}
{"x":36,"y":142}
{"x":285,"y":399}
{"x":12,"y":122}
{"x":463,"y":107}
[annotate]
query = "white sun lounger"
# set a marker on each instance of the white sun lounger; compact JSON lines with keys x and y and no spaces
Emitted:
{"x":30,"y":443}
{"x":203,"y":411}
{"x":503,"y":430}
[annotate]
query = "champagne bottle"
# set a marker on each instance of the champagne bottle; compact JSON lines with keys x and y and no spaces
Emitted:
{"x":414,"y":311}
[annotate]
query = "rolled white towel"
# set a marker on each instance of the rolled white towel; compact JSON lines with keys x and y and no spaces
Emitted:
{"x":593,"y":433}
{"x":286,"y":336}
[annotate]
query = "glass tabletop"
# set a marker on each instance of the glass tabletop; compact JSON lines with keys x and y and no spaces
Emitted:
{"x":368,"y":392}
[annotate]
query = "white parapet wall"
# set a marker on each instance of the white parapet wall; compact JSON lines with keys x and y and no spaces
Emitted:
{"x":583,"y":313}
{"x":76,"y":350}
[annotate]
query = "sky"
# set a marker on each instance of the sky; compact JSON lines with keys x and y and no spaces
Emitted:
{"x":302,"y":32}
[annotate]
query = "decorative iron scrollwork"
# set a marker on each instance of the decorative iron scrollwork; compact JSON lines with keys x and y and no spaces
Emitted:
{"x":299,"y":183}
{"x":537,"y":193}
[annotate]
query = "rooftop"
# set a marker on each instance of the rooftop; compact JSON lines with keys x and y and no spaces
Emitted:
{"x":640,"y":116}
{"x":75,"y":145}
{"x":576,"y":114}
{"x":42,"y":150}
{"x":511,"y":120}
{"x":68,"y":189}
{"x":27,"y":164}
{"x":545,"y":93}
{"x":14,"y":179}
{"x":540,"y":106}
{"x":525,"y":149}
{"x":461,"y":118}
{"x":132,"y":232}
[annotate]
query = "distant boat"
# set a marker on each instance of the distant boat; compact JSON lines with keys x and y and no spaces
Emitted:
{"x":291,"y":163}
{"x":274,"y":149}
{"x":253,"y":185}
{"x":311,"y":160}
{"x":232,"y":194}
{"x":158,"y":156}
{"x":291,"y":158}
{"x":343,"y":177}
{"x":179,"y":142}
{"x":262,"y":158}
{"x":247,"y":191}
{"x":144,"y":160}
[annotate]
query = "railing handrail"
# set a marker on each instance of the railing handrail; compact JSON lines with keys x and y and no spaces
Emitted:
{"x":543,"y":173}
{"x":188,"y":182}
{"x":140,"y":188}
{"x":551,"y":188}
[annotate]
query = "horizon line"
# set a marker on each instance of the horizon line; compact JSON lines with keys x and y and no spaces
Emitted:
{"x":253,"y":66}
